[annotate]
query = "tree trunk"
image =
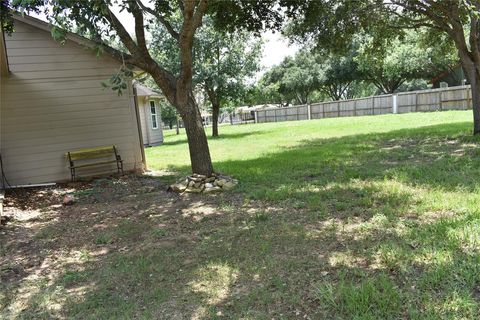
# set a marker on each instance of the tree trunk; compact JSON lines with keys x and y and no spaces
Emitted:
{"x":473,"y":76}
{"x":178,"y":126}
{"x":476,"y":106}
{"x":215,"y":101}
{"x":474,"y":79}
{"x":215,"y":114}
{"x":197,"y":140}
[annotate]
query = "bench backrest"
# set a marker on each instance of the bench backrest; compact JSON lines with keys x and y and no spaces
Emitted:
{"x":92,"y":153}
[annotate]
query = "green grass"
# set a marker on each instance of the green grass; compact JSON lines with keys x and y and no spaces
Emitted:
{"x":350,"y":218}
{"x":400,"y":192}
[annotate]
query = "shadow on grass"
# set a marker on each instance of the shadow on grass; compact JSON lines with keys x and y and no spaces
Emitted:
{"x":222,"y":136}
{"x":336,"y":228}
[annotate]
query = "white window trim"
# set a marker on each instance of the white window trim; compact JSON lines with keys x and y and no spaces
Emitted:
{"x":153,"y":114}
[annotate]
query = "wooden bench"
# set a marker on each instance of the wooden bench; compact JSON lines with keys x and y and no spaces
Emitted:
{"x":102,"y":154}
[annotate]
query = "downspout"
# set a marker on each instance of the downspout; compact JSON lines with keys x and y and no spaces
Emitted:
{"x":139,"y":126}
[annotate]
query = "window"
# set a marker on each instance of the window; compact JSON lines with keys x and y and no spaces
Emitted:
{"x":153,"y":113}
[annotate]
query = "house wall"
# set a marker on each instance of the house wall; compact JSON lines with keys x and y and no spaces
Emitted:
{"x":52,"y":102}
{"x":151,"y":136}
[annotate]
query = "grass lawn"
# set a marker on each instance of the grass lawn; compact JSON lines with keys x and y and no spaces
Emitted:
{"x":350,"y":218}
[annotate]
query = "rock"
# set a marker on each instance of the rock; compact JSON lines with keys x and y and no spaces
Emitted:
{"x":178,"y":187}
{"x":220,"y":182}
{"x":212,"y":189}
{"x":68,"y":200}
{"x":229,"y":185}
{"x":196,"y":178}
{"x":197,"y":183}
{"x":193,"y":190}
{"x":211,"y":179}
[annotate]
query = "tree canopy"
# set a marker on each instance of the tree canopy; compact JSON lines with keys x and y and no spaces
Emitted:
{"x":388,"y":63}
{"x":334,"y":24}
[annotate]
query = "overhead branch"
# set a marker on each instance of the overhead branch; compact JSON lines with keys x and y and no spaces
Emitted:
{"x":139,"y":58}
{"x":121,"y":31}
{"x":139,"y":26}
{"x":160,"y":18}
{"x":199,"y":12}
{"x":428,"y":9}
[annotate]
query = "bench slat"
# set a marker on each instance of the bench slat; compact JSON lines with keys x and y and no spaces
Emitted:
{"x":94,"y":164}
{"x":92,"y":153}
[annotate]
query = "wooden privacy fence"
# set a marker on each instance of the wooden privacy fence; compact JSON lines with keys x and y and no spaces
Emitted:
{"x":452,"y":98}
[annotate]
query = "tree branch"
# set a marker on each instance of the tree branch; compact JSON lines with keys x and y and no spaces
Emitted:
{"x":139,"y":26}
{"x":121,"y":31}
{"x":192,"y":18}
{"x":160,"y":18}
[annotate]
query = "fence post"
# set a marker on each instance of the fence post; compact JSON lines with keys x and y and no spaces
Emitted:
{"x":394,"y":104}
{"x":275,"y":114}
{"x":354,"y":108}
{"x":468,"y":94}
{"x":338,"y":108}
{"x":309,"y":112}
{"x":416,"y":102}
{"x":440,"y":100}
{"x":256,"y":116}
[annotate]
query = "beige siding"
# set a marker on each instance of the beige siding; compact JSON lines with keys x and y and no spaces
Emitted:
{"x":143,"y":119}
{"x":52,"y":102}
{"x":151,"y":136}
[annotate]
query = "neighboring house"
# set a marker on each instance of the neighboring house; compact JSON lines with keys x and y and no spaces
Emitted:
{"x":450,"y":78}
{"x":148,"y":102}
{"x":52,"y":102}
{"x":247,"y":113}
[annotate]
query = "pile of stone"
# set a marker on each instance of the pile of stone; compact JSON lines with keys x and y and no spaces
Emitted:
{"x":197,"y":183}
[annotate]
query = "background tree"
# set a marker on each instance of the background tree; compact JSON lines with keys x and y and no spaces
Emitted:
{"x":295,"y":78}
{"x":339,"y":73}
{"x":333,"y":24}
{"x":169,"y":114}
{"x":262,"y":93}
{"x":224,"y":63}
{"x":391,"y":62}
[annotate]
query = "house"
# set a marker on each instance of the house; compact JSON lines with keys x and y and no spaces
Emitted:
{"x":148,"y":102}
{"x":247,"y":113}
{"x":52,"y":102}
{"x":450,"y":78}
